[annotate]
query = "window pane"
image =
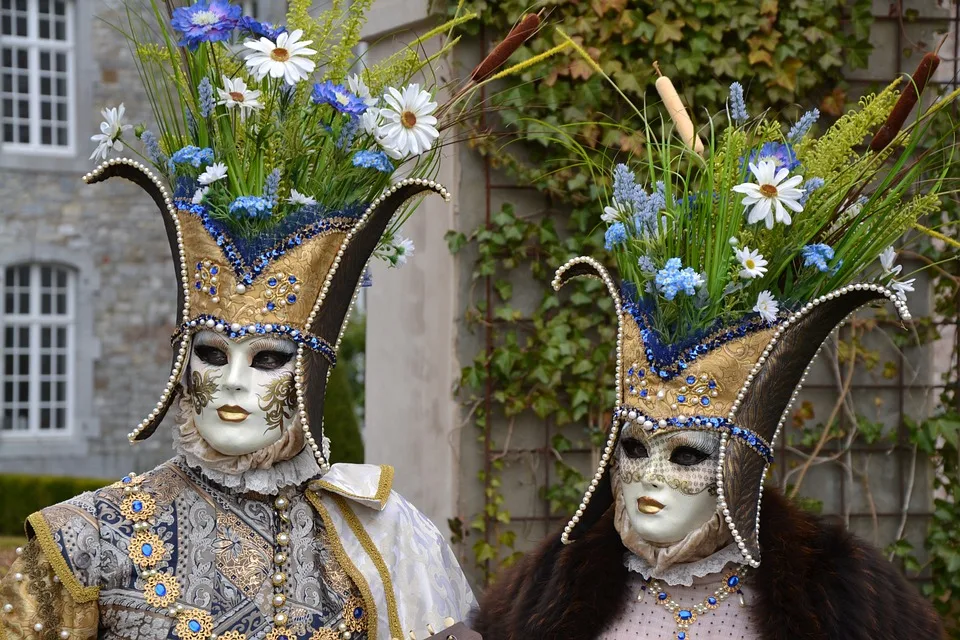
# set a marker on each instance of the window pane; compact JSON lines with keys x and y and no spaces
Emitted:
{"x":61,"y":337}
{"x":45,"y":303}
{"x":46,"y":276}
{"x":23,"y":391}
{"x":62,"y":278}
{"x":61,"y":304}
{"x":61,"y":391}
{"x":45,"y":391}
{"x":61,"y":422}
{"x":62,"y":364}
{"x":45,"y":418}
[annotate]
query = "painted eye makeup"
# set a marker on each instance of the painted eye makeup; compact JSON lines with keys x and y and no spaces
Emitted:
{"x":687,"y":456}
{"x":633,"y":448}
{"x":269,"y":360}
{"x":210,"y":355}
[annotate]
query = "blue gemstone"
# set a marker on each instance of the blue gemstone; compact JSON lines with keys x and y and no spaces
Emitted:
{"x":282,"y":638}
{"x":705,"y":401}
{"x":684,"y":614}
{"x":199,"y":266}
{"x":214,"y":271}
{"x":292,"y":279}
{"x":194,"y":626}
{"x":160,"y":590}
{"x":198,"y":285}
{"x":147,"y":549}
{"x":735,"y":431}
{"x":681,"y":398}
{"x":712,"y":384}
{"x":213,"y":291}
{"x":127,"y":479}
{"x":662,"y":595}
{"x":272,"y":282}
{"x":752,"y":441}
{"x":641,"y":373}
{"x":358,"y":613}
{"x":137,"y":506}
{"x":643,"y":393}
{"x":711,"y":601}
{"x":733,"y":581}
{"x":630,"y":371}
{"x":291,"y":298}
{"x":681,"y":635}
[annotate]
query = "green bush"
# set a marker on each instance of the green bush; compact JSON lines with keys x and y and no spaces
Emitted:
{"x":21,"y":495}
{"x":340,"y":419}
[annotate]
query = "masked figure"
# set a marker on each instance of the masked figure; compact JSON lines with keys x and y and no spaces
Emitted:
{"x":249,"y":532}
{"x":670,"y":541}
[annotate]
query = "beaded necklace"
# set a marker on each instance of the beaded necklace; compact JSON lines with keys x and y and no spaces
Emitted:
{"x":161,"y":589}
{"x":686,"y":616}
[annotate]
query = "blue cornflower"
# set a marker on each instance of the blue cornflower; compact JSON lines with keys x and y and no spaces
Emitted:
{"x":802,"y":126}
{"x":192,"y":155}
{"x":738,"y":108}
{"x":809,"y":187}
{"x":205,"y":97}
{"x":646,"y":264}
{"x":615,"y":235}
{"x":339,"y":97}
{"x":674,"y":278}
{"x":260,"y":29}
{"x":152,"y":146}
{"x":781,"y":155}
{"x":817,"y":255}
{"x":373,"y":160}
{"x":271,"y":185}
{"x":205,"y":21}
{"x":347,"y":133}
{"x":252,"y":207}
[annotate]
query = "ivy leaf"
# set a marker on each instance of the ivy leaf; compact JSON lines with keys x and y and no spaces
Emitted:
{"x":666,"y":31}
{"x":600,"y":7}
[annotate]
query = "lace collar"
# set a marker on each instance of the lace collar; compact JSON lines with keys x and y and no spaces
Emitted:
{"x":683,"y":574}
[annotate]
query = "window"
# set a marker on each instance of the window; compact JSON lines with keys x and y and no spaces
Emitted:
{"x":36,"y":351}
{"x":37,"y":103}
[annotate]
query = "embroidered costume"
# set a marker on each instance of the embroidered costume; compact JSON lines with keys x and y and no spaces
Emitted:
{"x":738,"y":263}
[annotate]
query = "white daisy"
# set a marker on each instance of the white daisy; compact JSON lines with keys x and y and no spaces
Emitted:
{"x":288,"y":58}
{"x":111,"y":132}
{"x":612,"y":214}
{"x":199,"y":194}
{"x":754,"y":264}
{"x":360,"y":89}
{"x":409,"y":129}
{"x":887,"y":258}
{"x":216,"y":171}
{"x":370,"y":121}
{"x":770,"y":198}
{"x":903,"y":287}
{"x":766,"y":306}
{"x":404,"y":248}
{"x":298,"y":198}
{"x":236,"y":95}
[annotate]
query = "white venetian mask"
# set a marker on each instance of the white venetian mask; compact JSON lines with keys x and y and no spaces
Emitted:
{"x":668,"y":481}
{"x":242,"y":391}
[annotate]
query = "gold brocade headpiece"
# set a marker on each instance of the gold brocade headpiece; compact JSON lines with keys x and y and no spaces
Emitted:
{"x":299,"y":284}
{"x":739,"y":380}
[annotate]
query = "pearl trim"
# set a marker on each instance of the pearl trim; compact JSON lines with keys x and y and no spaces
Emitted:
{"x":795,"y":317}
{"x":603,"y":275}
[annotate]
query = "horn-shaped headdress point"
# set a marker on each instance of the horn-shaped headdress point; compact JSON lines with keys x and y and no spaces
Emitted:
{"x":301,"y":287}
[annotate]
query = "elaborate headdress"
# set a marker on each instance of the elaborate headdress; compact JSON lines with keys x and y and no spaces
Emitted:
{"x":280,"y":188}
{"x":738,"y":264}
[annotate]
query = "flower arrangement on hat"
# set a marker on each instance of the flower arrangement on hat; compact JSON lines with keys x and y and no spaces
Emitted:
{"x":769,"y":215}
{"x":260,"y":122}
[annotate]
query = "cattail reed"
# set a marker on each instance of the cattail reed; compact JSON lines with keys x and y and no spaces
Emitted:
{"x":908,"y":99}
{"x":502,"y":52}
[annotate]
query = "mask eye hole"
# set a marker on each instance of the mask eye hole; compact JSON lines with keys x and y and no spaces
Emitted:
{"x":633,"y":448}
{"x":268,"y":360}
{"x":210,"y":355}
{"x":687,"y":456}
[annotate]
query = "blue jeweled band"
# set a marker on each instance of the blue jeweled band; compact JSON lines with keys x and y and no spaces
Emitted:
{"x":754,"y":441}
{"x":205,"y":321}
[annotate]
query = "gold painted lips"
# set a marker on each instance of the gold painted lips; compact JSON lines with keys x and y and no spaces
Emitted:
{"x":648,"y":506}
{"x":232,"y":413}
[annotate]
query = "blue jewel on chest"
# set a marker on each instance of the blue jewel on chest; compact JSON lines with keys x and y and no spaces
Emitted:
{"x":711,"y":601}
{"x":127,"y":479}
{"x":137,"y":506}
{"x":691,"y":379}
{"x":147,"y":549}
{"x":733,"y":581}
{"x":272,"y":282}
{"x":214,"y":271}
{"x":643,"y":393}
{"x":705,"y":401}
{"x":684,"y":614}
{"x":160,"y":590}
{"x":681,"y":635}
{"x":195,"y":626}
{"x":662,"y":595}
{"x":681,"y":398}
{"x":712,"y":384}
{"x":271,"y":306}
{"x":282,"y":638}
{"x":358,"y":613}
{"x":292,"y":279}
{"x":213,"y":291}
{"x":291,"y":298}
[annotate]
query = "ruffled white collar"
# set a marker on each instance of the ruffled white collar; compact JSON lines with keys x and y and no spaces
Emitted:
{"x":683,"y":574}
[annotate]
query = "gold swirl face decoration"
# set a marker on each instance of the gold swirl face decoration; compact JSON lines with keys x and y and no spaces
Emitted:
{"x":242,"y":390}
{"x":667,"y":481}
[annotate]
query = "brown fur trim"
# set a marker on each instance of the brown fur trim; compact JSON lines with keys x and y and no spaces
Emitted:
{"x":815,"y":581}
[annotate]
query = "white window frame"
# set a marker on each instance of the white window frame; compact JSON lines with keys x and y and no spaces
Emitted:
{"x":34,"y":44}
{"x":35,"y":321}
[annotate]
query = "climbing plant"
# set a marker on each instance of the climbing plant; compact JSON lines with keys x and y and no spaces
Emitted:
{"x":556,"y":360}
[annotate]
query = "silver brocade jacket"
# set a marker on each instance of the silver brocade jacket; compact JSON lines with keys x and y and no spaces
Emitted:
{"x":359,"y":555}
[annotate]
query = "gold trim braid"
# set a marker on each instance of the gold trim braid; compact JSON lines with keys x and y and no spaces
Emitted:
{"x":44,"y":537}
{"x":384,"y":486}
{"x":356,"y":526}
{"x":346,"y":563}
